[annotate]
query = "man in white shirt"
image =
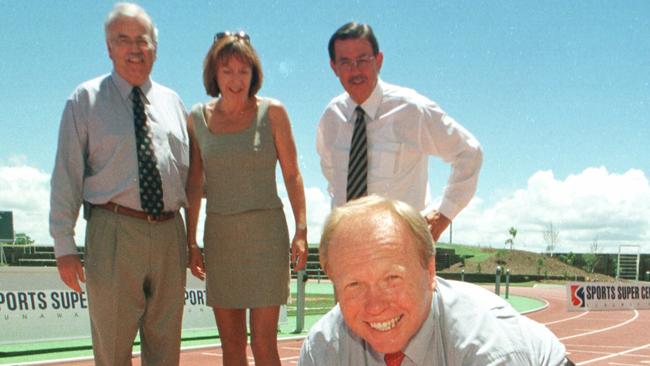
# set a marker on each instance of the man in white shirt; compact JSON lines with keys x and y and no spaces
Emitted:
{"x":402,"y":129}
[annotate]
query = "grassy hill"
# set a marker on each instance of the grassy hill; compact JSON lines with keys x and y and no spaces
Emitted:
{"x":485,"y":260}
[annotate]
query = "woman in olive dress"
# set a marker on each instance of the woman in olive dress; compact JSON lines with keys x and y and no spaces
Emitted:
{"x":236,"y":141}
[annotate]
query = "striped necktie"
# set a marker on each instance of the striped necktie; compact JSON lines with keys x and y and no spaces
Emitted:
{"x":151,"y":195}
{"x":358,"y":164}
{"x":394,"y":359}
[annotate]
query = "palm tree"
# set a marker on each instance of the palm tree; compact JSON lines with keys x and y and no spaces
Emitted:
{"x":513,"y":234}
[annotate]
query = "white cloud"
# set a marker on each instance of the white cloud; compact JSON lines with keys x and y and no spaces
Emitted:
{"x":25,"y":191}
{"x":318,"y":206}
{"x":594,"y":204}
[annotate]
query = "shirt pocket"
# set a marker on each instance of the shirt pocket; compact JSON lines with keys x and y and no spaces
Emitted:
{"x":384,"y":159}
{"x":340,"y":158}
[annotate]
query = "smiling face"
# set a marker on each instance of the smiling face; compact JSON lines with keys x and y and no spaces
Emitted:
{"x":358,"y":78}
{"x":234,"y":78}
{"x":384,"y":291}
{"x":131,"y":48}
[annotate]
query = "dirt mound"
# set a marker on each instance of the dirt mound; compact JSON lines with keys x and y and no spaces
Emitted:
{"x":525,"y":263}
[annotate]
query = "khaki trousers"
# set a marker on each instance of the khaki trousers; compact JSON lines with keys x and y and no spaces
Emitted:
{"x":135,"y":272}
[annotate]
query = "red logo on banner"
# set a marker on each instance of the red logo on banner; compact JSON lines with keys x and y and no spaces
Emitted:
{"x":578,"y":296}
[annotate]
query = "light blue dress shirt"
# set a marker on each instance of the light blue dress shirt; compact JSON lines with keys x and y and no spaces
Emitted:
{"x":467,"y":326}
{"x":96,"y":158}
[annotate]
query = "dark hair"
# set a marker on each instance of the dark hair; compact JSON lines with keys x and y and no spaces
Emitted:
{"x":220,"y":52}
{"x":353,"y":30}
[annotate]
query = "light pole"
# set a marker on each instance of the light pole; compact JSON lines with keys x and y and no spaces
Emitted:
{"x":451,"y":229}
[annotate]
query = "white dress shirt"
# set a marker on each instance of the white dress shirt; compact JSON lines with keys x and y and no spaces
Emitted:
{"x":403,"y":128}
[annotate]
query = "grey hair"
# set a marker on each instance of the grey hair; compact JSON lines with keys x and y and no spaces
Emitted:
{"x":130,"y":10}
{"x":404,"y":213}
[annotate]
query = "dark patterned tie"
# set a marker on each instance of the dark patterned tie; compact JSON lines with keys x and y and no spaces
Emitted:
{"x":394,"y":359}
{"x":150,"y":183}
{"x":358,"y":165}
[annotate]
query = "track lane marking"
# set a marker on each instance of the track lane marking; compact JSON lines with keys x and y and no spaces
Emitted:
{"x":636,"y":315}
{"x":613,"y":355}
{"x":567,"y":319}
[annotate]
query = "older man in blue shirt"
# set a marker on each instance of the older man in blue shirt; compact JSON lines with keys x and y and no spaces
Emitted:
{"x":123,"y":155}
{"x":393,"y":310}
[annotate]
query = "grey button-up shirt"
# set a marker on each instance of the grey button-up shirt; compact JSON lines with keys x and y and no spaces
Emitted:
{"x":96,"y":158}
{"x":467,"y":326}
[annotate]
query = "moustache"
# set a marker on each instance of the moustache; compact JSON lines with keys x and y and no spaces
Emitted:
{"x":135,"y":57}
{"x":356,"y":79}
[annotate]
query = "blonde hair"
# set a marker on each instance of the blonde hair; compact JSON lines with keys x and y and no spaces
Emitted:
{"x":375,"y":204}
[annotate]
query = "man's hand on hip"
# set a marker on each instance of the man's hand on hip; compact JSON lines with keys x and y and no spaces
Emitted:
{"x":71,"y":271}
{"x":437,"y":223}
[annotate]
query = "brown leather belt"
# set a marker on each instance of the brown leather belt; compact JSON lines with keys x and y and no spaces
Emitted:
{"x":113,"y":207}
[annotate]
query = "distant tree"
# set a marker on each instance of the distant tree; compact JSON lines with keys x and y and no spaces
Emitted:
{"x":511,"y":239}
{"x":540,"y":265}
{"x":591,"y":258}
{"x":568,"y":258}
{"x":613,"y":266}
{"x":501,"y":256}
{"x":594,"y":246}
{"x":23,"y":239}
{"x":551,"y":237}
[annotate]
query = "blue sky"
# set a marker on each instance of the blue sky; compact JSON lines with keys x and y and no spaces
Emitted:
{"x":557,"y":92}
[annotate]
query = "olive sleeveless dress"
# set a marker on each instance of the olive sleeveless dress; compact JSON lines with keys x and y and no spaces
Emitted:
{"x":246,"y":241}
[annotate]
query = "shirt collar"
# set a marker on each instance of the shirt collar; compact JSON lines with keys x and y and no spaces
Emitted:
{"x":125,"y":88}
{"x":370,"y":105}
{"x":422,"y":342}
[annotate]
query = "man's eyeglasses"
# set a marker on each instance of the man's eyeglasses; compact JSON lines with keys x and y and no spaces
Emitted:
{"x":346,"y":64}
{"x":142,"y":43}
{"x":239,"y":35}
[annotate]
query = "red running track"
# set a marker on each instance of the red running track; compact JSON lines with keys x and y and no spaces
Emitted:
{"x":598,"y":338}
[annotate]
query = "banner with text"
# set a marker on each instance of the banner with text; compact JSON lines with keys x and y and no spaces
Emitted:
{"x":36,"y":306}
{"x":608,"y":295}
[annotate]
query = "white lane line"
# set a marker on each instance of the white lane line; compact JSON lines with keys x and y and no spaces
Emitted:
{"x":252,"y":358}
{"x":598,"y":346}
{"x":567,"y":319}
{"x":289,"y":358}
{"x":292,"y":348}
{"x":636,"y":315}
{"x":613,"y":355}
{"x":212,"y":354}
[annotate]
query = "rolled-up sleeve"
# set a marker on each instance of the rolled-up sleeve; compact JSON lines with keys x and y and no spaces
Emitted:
{"x":440,"y":135}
